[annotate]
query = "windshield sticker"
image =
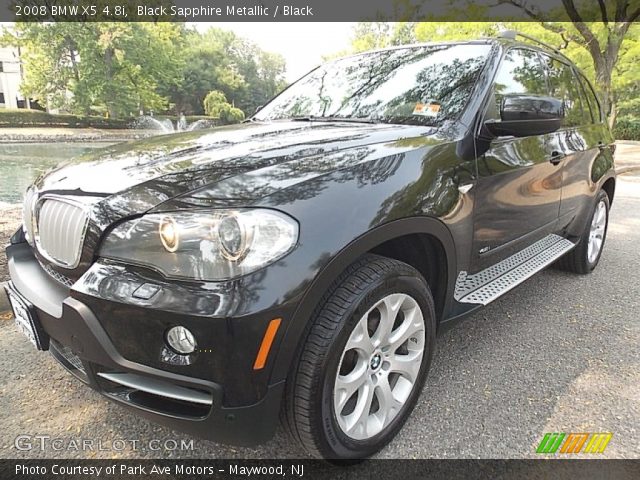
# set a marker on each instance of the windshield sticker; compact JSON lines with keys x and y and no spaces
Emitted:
{"x":430,"y":109}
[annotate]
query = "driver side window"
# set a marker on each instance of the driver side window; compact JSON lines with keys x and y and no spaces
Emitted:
{"x":521,"y":72}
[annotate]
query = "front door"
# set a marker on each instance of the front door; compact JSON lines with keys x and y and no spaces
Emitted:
{"x":519,"y":179}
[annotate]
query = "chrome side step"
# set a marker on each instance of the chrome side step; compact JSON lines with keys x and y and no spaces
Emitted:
{"x":158,"y":387}
{"x":488,"y":284}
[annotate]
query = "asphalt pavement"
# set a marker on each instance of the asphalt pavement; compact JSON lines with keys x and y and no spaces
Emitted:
{"x":560,"y":353}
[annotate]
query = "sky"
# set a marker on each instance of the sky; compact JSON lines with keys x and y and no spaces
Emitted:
{"x":301,"y":44}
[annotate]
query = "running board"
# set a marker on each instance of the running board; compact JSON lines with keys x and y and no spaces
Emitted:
{"x":488,"y":284}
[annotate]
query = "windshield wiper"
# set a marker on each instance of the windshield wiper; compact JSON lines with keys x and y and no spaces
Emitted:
{"x":313,"y":118}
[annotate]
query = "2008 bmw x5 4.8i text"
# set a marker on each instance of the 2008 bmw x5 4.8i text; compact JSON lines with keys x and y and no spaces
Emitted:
{"x":303,"y":261}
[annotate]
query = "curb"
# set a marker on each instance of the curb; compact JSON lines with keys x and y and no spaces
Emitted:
{"x":4,"y":301}
{"x":623,"y":170}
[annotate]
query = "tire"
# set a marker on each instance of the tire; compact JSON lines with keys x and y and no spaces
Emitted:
{"x":317,"y":410}
{"x":583,"y":259}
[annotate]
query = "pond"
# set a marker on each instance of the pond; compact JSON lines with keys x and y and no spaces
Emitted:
{"x":21,"y":163}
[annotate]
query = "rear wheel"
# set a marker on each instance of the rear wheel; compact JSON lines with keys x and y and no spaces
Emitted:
{"x":585,"y":257}
{"x":364,"y":361}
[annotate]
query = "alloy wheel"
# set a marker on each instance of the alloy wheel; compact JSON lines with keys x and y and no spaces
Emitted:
{"x":597,"y":231}
{"x":379,"y":366}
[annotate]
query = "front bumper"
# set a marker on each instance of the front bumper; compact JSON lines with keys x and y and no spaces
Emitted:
{"x":95,"y":327}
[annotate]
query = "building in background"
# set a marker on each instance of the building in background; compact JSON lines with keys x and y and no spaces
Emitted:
{"x":10,"y":79}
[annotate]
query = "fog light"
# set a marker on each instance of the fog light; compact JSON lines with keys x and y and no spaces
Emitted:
{"x":181,"y":340}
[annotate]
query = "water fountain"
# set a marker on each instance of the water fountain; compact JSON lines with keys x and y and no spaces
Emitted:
{"x":166,"y":126}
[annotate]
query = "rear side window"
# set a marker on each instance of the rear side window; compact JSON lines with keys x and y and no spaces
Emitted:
{"x":594,"y":105}
{"x":565,"y":86}
{"x":521,"y":72}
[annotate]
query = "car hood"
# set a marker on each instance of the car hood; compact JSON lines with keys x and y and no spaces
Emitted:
{"x":134,"y":177}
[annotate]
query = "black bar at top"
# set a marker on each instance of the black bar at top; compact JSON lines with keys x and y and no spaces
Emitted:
{"x":295,"y":10}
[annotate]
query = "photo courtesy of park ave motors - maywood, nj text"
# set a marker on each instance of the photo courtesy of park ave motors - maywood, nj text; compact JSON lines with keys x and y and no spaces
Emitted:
{"x":305,"y":239}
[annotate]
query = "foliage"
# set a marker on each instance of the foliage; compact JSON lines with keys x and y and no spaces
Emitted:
{"x":370,"y":35}
{"x":626,"y":77}
{"x":214,"y":103}
{"x":220,"y":60}
{"x":232,"y":115}
{"x":77,"y":66}
{"x":216,"y":106}
{"x":627,"y":129}
{"x":124,"y":69}
{"x":35,"y":118}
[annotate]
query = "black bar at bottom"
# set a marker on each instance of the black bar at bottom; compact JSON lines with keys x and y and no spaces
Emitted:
{"x":316,"y":469}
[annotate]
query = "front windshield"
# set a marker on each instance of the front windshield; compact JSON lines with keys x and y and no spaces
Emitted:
{"x":424,"y":85}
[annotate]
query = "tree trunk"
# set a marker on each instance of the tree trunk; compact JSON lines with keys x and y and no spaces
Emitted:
{"x":108,"y":60}
{"x":603,"y":82}
{"x":604,"y":61}
{"x":74,"y":60}
{"x":613,"y":116}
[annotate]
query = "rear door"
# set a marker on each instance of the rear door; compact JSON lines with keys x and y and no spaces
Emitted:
{"x":584,"y":140}
{"x":573,"y":138}
{"x":519,"y":186}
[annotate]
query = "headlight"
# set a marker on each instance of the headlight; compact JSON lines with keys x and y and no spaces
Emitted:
{"x":28,"y":217}
{"x":204,"y":245}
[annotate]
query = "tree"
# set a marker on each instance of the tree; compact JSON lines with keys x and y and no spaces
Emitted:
{"x":216,"y":106}
{"x":602,"y":40}
{"x":52,"y":59}
{"x":116,"y":67}
{"x":263,"y":73}
{"x":123,"y":68}
{"x":220,"y":60}
{"x":207,"y":66}
{"x":626,"y":77}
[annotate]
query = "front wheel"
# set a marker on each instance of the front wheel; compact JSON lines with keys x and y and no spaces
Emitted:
{"x":364,"y":362}
{"x":584,"y":258}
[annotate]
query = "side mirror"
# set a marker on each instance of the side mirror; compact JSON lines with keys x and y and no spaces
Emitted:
{"x":527,"y":115}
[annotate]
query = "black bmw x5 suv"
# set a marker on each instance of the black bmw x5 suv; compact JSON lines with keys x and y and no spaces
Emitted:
{"x":304,"y":261}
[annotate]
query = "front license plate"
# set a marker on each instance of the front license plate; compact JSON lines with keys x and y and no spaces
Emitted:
{"x":26,"y":320}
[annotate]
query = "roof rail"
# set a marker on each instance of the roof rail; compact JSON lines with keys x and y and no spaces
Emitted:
{"x":512,"y":35}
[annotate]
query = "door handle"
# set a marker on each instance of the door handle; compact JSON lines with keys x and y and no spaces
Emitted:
{"x":556,"y":157}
